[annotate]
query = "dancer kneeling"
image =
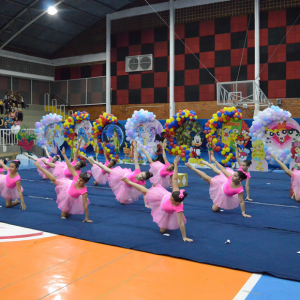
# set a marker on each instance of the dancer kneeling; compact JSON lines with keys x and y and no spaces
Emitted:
{"x":295,"y":177}
{"x":226,"y":190}
{"x":166,"y":207}
{"x":10,"y":185}
{"x":162,"y":173}
{"x":72,"y":196}
{"x":123,"y":191}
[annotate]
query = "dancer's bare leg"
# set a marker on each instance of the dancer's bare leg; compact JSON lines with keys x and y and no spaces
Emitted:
{"x":203,"y":175}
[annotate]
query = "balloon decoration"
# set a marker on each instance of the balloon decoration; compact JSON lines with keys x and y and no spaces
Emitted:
{"x":97,"y":128}
{"x":51,"y":121}
{"x":273,"y":126}
{"x":174,"y":124}
{"x":135,"y":131}
{"x":222,"y":117}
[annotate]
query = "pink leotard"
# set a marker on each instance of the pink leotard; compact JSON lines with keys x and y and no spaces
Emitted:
{"x":49,"y":161}
{"x":247,"y":174}
{"x":163,"y":171}
{"x":131,"y":176}
{"x":229,"y":191}
{"x":2,"y":170}
{"x":168,"y":207}
{"x":11,"y":182}
{"x":67,"y":172}
{"x":106,"y":163}
{"x":73,"y":192}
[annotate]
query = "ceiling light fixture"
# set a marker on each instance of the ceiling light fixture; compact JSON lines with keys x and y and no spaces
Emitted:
{"x":51,"y":10}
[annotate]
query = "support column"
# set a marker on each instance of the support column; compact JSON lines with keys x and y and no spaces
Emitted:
{"x":172,"y":58}
{"x":257,"y":58}
{"x":108,"y":73}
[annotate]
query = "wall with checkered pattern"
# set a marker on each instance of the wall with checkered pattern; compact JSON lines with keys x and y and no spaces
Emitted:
{"x":221,"y":45}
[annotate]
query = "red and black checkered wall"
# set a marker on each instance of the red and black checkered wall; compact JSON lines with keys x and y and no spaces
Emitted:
{"x":219,"y":45}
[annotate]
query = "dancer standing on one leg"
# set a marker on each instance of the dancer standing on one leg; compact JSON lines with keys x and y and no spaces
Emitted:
{"x":226,"y":190}
{"x":124,"y":192}
{"x":166,"y":207}
{"x":61,"y":169}
{"x":10,"y":185}
{"x":99,"y":174}
{"x":42,"y":162}
{"x":295,"y":177}
{"x":72,"y":196}
{"x":162,"y":173}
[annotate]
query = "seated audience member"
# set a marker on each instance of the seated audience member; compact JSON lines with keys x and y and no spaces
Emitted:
{"x":1,"y":106}
{"x":1,"y":123}
{"x":8,"y":120}
{"x":12,"y":113}
{"x":23,"y":104}
{"x":7,"y":102}
{"x":17,"y":120}
{"x":19,"y":110}
{"x":6,"y":133}
{"x":14,"y":130}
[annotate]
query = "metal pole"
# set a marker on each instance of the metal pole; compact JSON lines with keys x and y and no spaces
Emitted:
{"x":108,"y":73}
{"x":172,"y":58}
{"x":257,"y":58}
{"x":31,"y":91}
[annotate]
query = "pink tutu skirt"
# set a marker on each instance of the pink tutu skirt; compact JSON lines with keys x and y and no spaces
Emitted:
{"x":217,"y":195}
{"x":65,"y":202}
{"x":58,"y":171}
{"x":42,"y":164}
{"x":154,"y":198}
{"x":6,"y":192}
{"x":124,"y":194}
{"x":157,"y":179}
{"x":296,"y":182}
{"x":98,"y":174}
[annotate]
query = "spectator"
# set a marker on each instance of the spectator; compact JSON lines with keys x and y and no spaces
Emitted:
{"x":19,"y":110}
{"x":23,"y":104}
{"x":8,"y":120}
{"x":1,"y":106}
{"x":7,"y":102}
{"x":17,"y":120}
{"x":14,"y":131}
{"x":6,"y":133}
{"x":12,"y":114}
{"x":1,"y":123}
{"x":18,"y":99}
{"x":12,"y":97}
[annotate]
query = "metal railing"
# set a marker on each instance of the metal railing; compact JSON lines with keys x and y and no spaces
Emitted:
{"x":8,"y":137}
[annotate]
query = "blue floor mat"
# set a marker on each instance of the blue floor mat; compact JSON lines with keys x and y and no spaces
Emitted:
{"x":266,"y":243}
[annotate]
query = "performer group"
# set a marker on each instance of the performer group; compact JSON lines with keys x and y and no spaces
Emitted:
{"x":225,"y":189}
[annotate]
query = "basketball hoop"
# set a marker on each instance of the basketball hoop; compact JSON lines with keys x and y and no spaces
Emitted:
{"x":233,"y":98}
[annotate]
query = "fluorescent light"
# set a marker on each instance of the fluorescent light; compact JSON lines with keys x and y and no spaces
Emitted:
{"x":51,"y":10}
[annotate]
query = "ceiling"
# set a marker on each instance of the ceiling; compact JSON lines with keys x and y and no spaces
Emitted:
{"x":48,"y":33}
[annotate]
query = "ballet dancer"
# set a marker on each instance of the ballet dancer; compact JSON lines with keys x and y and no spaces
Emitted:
{"x":295,"y":177}
{"x":5,"y":161}
{"x":244,"y":167}
{"x":61,"y":169}
{"x":226,"y":190}
{"x":42,"y":162}
{"x":10,"y":185}
{"x":72,"y":195}
{"x":99,"y":174}
{"x":166,"y":207}
{"x":162,"y":173}
{"x":124,"y":192}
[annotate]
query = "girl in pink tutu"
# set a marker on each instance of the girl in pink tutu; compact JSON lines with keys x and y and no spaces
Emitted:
{"x":125,"y":193}
{"x":10,"y":185}
{"x":166,"y":207}
{"x":5,"y":161}
{"x":244,"y":167}
{"x":72,"y":196}
{"x":162,"y":173}
{"x":61,"y":169}
{"x":42,"y":162}
{"x":226,"y":190}
{"x":295,"y":177}
{"x":99,"y":174}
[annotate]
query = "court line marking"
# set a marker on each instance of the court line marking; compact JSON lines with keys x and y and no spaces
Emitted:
{"x":247,"y":288}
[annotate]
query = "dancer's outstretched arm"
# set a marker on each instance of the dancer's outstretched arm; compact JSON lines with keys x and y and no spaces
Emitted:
{"x":31,"y":157}
{"x":104,"y":151}
{"x":242,"y":205}
{"x":88,"y":159}
{"x":222,"y":169}
{"x":182,"y":227}
{"x":138,"y":187}
{"x":86,"y":209}
{"x":164,"y":154}
{"x":175,"y":174}
{"x":47,"y":153}
{"x":237,"y":154}
{"x":70,"y":167}
{"x":282,"y":166}
{"x":47,"y":173}
{"x":99,"y":164}
{"x":148,"y":157}
{"x":77,"y":149}
{"x":3,"y":165}
{"x":50,"y":164}
{"x":217,"y":171}
{"x":18,"y":185}
{"x":136,"y":156}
